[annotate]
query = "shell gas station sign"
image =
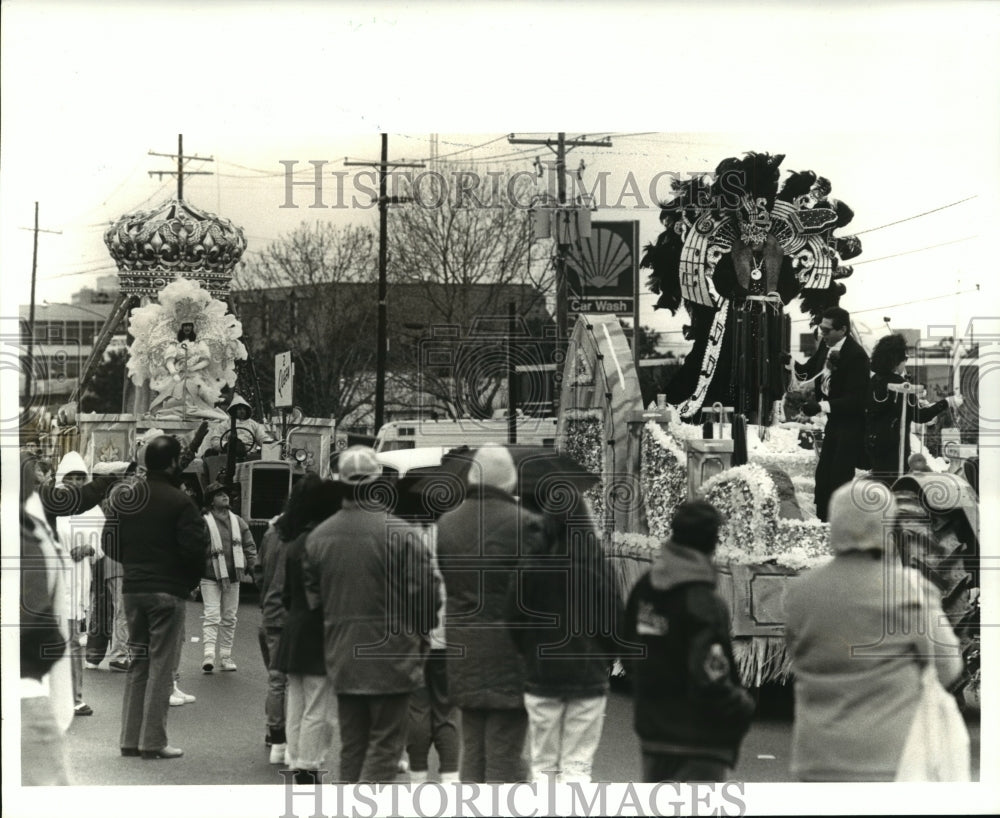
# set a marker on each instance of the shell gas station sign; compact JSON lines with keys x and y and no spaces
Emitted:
{"x":602,"y":271}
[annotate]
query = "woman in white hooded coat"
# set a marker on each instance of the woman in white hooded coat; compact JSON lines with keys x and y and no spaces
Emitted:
{"x":860,"y":630}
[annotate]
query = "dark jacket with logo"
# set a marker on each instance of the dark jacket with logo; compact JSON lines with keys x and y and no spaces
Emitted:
{"x":687,"y":693}
{"x":155,"y":531}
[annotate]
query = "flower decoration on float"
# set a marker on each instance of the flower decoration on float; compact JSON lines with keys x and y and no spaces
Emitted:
{"x":585,"y":436}
{"x":662,"y":476}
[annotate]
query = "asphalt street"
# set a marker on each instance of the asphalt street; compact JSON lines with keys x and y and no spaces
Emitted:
{"x":222,"y":733}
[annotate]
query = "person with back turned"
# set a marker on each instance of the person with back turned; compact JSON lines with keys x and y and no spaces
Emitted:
{"x":156,"y":533}
{"x":691,"y":712}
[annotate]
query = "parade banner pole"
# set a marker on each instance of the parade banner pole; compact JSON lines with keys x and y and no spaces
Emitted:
{"x":902,"y":434}
{"x":904,"y":390}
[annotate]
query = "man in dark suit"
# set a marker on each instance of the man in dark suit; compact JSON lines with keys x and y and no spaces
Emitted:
{"x":840,"y":373}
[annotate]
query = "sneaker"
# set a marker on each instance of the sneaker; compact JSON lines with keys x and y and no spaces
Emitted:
{"x":83,"y":709}
{"x":277,"y":754}
{"x":227,"y":664}
{"x":175,"y":700}
{"x":186,"y":698}
{"x":121,"y":665}
{"x":92,"y":665}
{"x":208,"y":664}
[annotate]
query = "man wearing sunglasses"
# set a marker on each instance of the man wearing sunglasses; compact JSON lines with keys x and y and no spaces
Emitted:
{"x":839,"y":371}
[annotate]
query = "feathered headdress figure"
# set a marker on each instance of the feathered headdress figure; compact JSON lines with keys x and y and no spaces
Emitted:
{"x":188,"y":371}
{"x":741,"y":239}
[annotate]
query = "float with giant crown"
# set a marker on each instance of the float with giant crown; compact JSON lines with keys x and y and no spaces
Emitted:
{"x":738,"y":247}
{"x":188,"y":371}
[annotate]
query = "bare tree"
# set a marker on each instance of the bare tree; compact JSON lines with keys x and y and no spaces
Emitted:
{"x":457,"y":259}
{"x":312,"y":292}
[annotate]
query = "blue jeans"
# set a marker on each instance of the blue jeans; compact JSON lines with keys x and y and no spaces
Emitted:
{"x":433,"y":719}
{"x":493,"y":743}
{"x":155,"y":621}
{"x":274,"y":702}
{"x":372,"y":736}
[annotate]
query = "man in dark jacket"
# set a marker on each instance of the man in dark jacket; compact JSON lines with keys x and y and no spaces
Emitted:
{"x":564,"y":609}
{"x":840,"y":373}
{"x":156,"y":533}
{"x":478,"y":548}
{"x":691,"y":712}
{"x":371,"y":573}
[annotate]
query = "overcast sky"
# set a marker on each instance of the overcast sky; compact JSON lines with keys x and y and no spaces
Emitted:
{"x":896,"y":106}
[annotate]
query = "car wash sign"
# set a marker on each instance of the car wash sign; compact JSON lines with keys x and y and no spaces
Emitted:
{"x":602,"y":271}
{"x":284,"y":377}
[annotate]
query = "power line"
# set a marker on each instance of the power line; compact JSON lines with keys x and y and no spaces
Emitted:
{"x":917,"y":216}
{"x":902,"y":303}
{"x":918,"y":250}
{"x":82,"y":273}
{"x":464,"y":149}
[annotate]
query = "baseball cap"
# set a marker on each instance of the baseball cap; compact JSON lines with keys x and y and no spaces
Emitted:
{"x":358,"y":464}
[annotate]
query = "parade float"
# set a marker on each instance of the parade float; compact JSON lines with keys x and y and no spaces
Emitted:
{"x":187,"y":365}
{"x":735,"y":251}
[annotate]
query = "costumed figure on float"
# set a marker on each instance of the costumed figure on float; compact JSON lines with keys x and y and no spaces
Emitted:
{"x":185,"y":346}
{"x":736,"y":249}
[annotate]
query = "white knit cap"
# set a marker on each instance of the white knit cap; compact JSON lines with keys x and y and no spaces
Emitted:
{"x":493,"y":466}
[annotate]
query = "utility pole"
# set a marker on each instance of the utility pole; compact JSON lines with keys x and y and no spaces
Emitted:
{"x":511,"y":373}
{"x":382,"y":326}
{"x":31,"y":307}
{"x":180,"y":172}
{"x":561,"y":146}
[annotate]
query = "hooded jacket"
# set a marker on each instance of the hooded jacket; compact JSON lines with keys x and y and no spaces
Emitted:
{"x":60,"y":500}
{"x":250,"y":426}
{"x":859,"y":631}
{"x":687,"y":693}
{"x":75,"y":533}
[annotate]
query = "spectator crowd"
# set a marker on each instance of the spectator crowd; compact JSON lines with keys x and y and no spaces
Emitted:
{"x":486,"y":634}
